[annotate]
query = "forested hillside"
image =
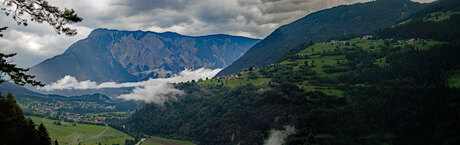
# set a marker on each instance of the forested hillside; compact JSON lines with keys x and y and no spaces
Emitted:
{"x":399,"y":87}
{"x":354,"y":19}
{"x":16,"y":129}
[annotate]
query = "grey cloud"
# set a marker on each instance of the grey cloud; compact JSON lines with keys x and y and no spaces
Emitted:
{"x":222,"y":12}
{"x":145,"y":6}
{"x":252,"y":18}
{"x":286,"y":6}
{"x":166,"y":18}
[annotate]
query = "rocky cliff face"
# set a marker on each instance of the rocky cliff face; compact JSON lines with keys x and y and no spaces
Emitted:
{"x":121,"y":56}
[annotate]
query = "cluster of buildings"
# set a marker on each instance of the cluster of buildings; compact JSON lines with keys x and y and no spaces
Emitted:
{"x":68,"y":110}
{"x":412,"y":40}
{"x":46,"y":107}
{"x":84,"y":117}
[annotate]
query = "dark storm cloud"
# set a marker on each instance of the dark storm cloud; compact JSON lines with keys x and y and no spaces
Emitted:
{"x":145,"y":6}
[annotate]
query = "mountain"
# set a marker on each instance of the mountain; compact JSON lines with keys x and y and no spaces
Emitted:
{"x":7,"y":87}
{"x":392,"y":89}
{"x":358,"y":18}
{"x":122,"y":56}
{"x":429,"y":23}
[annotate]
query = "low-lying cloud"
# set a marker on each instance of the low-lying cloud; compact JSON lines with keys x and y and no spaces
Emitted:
{"x":151,"y":91}
{"x":277,"y":137}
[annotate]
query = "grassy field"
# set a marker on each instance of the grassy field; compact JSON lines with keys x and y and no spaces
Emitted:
{"x":163,"y":141}
{"x":326,"y":55}
{"x":440,"y":16}
{"x":81,"y":133}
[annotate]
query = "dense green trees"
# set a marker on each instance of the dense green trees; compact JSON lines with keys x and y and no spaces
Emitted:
{"x":215,"y":115}
{"x":394,"y":93}
{"x":407,"y":102}
{"x":43,"y":133}
{"x":15,"y":129}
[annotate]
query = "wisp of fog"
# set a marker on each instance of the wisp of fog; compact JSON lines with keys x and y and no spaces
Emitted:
{"x":277,"y":137}
{"x":151,"y":91}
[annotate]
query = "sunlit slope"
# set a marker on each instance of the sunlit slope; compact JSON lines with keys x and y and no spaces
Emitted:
{"x":361,"y":18}
{"x":323,"y":66}
{"x":67,"y":133}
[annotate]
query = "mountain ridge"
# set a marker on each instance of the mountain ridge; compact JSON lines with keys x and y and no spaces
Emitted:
{"x":124,"y":56}
{"x":321,"y":25}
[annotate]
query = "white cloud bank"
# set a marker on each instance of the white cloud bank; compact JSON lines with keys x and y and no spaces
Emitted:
{"x":153,"y":90}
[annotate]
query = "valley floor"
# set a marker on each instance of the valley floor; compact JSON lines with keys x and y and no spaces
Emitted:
{"x":75,"y":133}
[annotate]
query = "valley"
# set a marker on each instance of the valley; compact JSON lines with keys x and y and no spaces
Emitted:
{"x":89,"y":134}
{"x":78,"y":133}
{"x":95,"y":109}
{"x":369,"y":72}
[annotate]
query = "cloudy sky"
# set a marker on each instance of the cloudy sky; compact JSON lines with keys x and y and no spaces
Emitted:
{"x":251,"y":18}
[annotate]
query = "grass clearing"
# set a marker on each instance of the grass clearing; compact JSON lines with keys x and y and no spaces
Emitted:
{"x":234,"y":82}
{"x":440,"y":16}
{"x":81,"y":133}
{"x":250,"y":77}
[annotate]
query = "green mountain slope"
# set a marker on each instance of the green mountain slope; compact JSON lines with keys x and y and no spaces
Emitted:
{"x":360,"y":100}
{"x":319,"y":26}
{"x":394,"y":90}
{"x":429,"y":23}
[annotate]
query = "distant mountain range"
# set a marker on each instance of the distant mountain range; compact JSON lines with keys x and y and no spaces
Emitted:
{"x":123,"y":56}
{"x":357,"y":19}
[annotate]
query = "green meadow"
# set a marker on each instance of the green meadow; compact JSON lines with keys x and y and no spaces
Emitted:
{"x":87,"y":134}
